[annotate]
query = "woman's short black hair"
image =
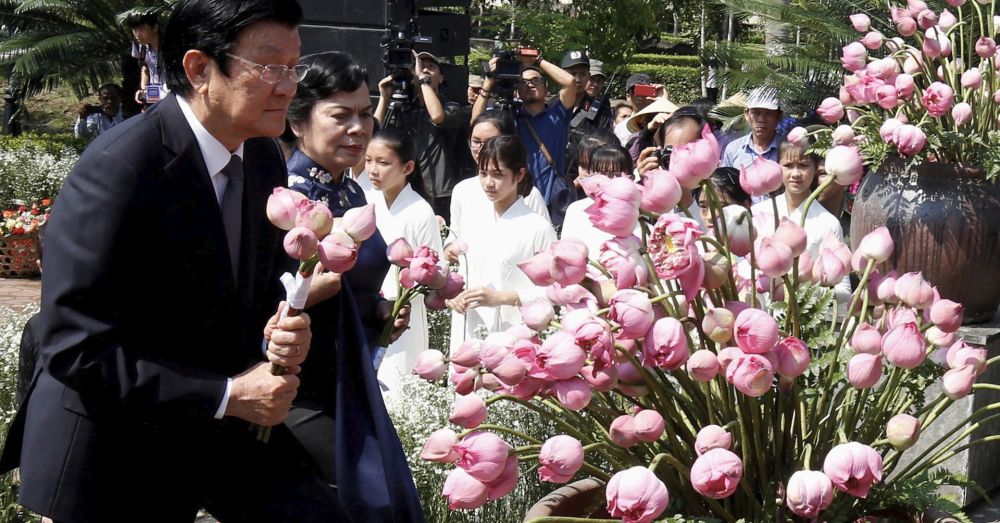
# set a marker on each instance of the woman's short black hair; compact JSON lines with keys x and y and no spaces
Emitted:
{"x":592,"y":142}
{"x":509,"y":151}
{"x":611,"y":160}
{"x":503,"y":121}
{"x":727,"y":180}
{"x":329,"y":73}
{"x":405,"y":148}
{"x":212,"y":26}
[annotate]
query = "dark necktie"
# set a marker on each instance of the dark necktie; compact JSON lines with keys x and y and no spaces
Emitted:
{"x":232,"y":201}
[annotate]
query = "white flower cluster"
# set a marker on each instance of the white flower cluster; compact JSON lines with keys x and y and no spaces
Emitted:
{"x":30,"y":173}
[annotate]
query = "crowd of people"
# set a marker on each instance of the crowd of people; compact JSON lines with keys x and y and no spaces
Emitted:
{"x":153,"y":365}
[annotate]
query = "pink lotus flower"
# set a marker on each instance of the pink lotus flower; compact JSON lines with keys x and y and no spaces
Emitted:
{"x":572,"y":296}
{"x":808,"y":493}
{"x":799,"y":137}
{"x":866,"y":340}
{"x":829,"y":269}
{"x":631,"y":310}
{"x":938,"y":98}
{"x":440,"y":447}
{"x":463,"y":491}
{"x":399,"y":253}
{"x":751,"y":374}
{"x":831,"y":110}
{"x":483,"y":455}
{"x":569,"y":258}
{"x":726,"y":356}
{"x":864,"y":370}
{"x":877,"y":245}
{"x":939,"y":338}
{"x":844,"y":134}
{"x":961,"y":354}
{"x":902,"y":431}
{"x":738,"y":228}
{"x":574,"y":393}
{"x":593,"y":335}
{"x":467,"y":354}
{"x":537,"y":314}
{"x":359,"y":222}
{"x":468,"y":411}
{"x":718,"y":324}
{"x":844,"y":163}
{"x":712,"y":437}
{"x":947,"y":315}
{"x":947,"y":20}
{"x":338,"y":252}
{"x":716,"y":473}
{"x":660,"y":191}
{"x":773,"y":257}
{"x":616,"y":204}
{"x":504,"y":483}
{"x":559,"y":358}
{"x":430,"y":365}
{"x":426,"y":271}
{"x":872,"y":40}
{"x":906,"y":26}
{"x":915,"y":7}
{"x":314,"y":216}
{"x":985,"y":47}
{"x":756,"y":331}
{"x":861,"y":22}
{"x":853,"y":56}
{"x":909,"y":139}
{"x":957,"y":382}
{"x":793,"y":357}
{"x":972,"y":79}
{"x":696,"y":161}
{"x":560,"y":458}
{"x":853,"y":467}
{"x":300,"y":243}
{"x":665,"y":345}
{"x":791,"y":234}
{"x":904,"y":346}
{"x":620,"y":256}
{"x":904,"y":85}
{"x":453,"y":285}
{"x":648,"y":425}
{"x":622,"y":431}
{"x":913,"y":290}
{"x":636,"y":495}
{"x":630,"y":381}
{"x":603,"y":379}
{"x":703,"y":366}
{"x":961,"y":113}
{"x":888,"y":126}
{"x":761,"y":177}
{"x":927,"y":19}
{"x":282,"y":207}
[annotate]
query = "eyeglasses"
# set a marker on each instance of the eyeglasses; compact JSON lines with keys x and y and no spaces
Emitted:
{"x":534,"y":81}
{"x":273,"y":73}
{"x":476,"y":145}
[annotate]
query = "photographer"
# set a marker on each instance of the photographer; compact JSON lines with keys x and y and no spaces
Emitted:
{"x":437,"y":130}
{"x":543,"y":130}
{"x":591,"y":112}
{"x":95,"y":119}
{"x":146,"y":48}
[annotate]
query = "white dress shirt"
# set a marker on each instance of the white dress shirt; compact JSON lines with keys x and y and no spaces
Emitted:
{"x":216,"y":157}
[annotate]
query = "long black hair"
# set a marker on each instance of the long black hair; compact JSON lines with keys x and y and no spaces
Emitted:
{"x":403,"y":145}
{"x":509,"y":151}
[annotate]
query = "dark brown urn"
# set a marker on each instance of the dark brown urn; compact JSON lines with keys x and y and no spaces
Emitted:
{"x":945,"y":222}
{"x":583,"y":499}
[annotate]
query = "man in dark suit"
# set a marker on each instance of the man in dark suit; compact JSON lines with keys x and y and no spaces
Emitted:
{"x":161,"y":273}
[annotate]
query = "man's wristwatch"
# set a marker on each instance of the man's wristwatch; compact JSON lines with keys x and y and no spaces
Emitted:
{"x":425,"y":80}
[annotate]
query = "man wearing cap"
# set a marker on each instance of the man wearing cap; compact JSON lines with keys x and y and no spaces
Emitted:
{"x":595,"y":87}
{"x":590,"y":113}
{"x":763,"y":113}
{"x":439,"y":131}
{"x":475,"y":86}
{"x":543,"y":129}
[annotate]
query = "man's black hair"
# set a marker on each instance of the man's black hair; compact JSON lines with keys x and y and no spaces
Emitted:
{"x":110,"y":87}
{"x":136,"y":19}
{"x":212,"y":26}
{"x":684,"y":113}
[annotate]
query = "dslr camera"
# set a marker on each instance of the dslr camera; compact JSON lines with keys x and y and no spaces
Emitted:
{"x":507,"y":74}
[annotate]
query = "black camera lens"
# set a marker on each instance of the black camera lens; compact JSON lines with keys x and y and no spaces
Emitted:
{"x":664,"y":155}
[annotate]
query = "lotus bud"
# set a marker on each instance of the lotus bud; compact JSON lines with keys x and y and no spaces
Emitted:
{"x":468,"y":411}
{"x":853,"y":468}
{"x":622,"y":431}
{"x":799,"y":137}
{"x":831,"y":110}
{"x":877,"y":245}
{"x":636,"y":495}
{"x":927,"y":19}
{"x":399,"y":253}
{"x":359,"y":222}
{"x":939,"y":338}
{"x":864,"y":370}
{"x":904,"y":89}
{"x":717,"y":473}
{"x":464,"y":491}
{"x":809,"y":492}
{"x":762,"y":177}
{"x":648,"y":425}
{"x":751,"y":374}
{"x":861,"y":22}
{"x":904,"y":346}
{"x":793,"y":357}
{"x":947,"y":315}
{"x":300,"y":243}
{"x":866,"y":340}
{"x":906,"y":26}
{"x":961,"y":354}
{"x":961,"y":113}
{"x":712,"y":437}
{"x":660,"y":191}
{"x":756,"y":331}
{"x":440,"y":447}
{"x":790,"y":233}
{"x":603,"y":379}
{"x":843,"y":134}
{"x":985,"y":47}
{"x":853,"y":57}
{"x":315,"y":217}
{"x":717,"y":269}
{"x":282,"y":207}
{"x":338,"y":252}
{"x":844,"y":164}
{"x":902,"y":431}
{"x":430,"y":365}
{"x":703,"y":366}
{"x":957,"y":383}
{"x":718,"y":324}
{"x":632,"y":310}
{"x":537,"y":314}
{"x":913,"y":290}
{"x":560,"y":458}
{"x":947,"y":20}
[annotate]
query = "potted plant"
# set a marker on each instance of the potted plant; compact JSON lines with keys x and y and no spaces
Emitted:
{"x":923,"y":104}
{"x":19,"y":228}
{"x":706,"y":376}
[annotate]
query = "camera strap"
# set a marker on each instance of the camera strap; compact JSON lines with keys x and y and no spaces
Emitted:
{"x":538,"y":140}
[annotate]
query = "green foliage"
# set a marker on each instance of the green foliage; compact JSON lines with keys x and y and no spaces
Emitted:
{"x":921,"y":493}
{"x":11,"y":324}
{"x":814,"y":302}
{"x":683,"y":83}
{"x":33,"y":167}
{"x":56,"y":42}
{"x":666,"y":59}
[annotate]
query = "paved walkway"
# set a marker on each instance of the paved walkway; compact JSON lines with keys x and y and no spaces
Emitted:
{"x":17,"y":293}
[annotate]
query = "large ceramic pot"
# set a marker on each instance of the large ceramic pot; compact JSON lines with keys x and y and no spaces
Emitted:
{"x":945,"y":222}
{"x":581,"y":499}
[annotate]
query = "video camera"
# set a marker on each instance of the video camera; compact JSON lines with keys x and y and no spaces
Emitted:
{"x":507,"y":75}
{"x":397,"y":55}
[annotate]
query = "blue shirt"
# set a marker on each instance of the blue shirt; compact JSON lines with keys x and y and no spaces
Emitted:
{"x":741,"y":151}
{"x":552,"y":126}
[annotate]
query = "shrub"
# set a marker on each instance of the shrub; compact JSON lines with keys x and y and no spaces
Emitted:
{"x":33,"y":167}
{"x":11,"y":325}
{"x":683,"y":83}
{"x":666,"y":59}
